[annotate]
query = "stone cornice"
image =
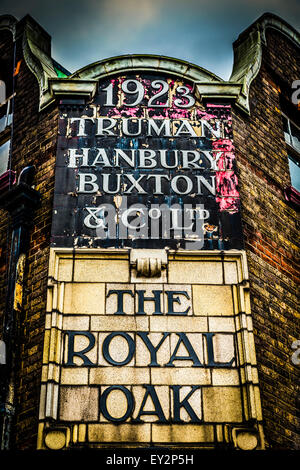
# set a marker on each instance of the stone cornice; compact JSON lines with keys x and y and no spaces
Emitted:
{"x":248,"y":52}
{"x":36,"y":47}
{"x":146,"y":62}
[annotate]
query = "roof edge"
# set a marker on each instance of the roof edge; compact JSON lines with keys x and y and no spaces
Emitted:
{"x":117,"y":64}
{"x":247,"y":51}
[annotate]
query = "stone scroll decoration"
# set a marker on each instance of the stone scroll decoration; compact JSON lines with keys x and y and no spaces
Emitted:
{"x":146,"y":164}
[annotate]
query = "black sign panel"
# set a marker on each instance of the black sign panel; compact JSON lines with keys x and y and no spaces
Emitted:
{"x":146,"y":164}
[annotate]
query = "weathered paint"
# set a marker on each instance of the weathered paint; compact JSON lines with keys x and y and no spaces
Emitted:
{"x":204,"y":129}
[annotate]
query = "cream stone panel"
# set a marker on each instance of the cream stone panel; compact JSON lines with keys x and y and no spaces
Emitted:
{"x":40,"y":439}
{"x":101,"y":270}
{"x":225,"y":377}
{"x":222,"y":404}
{"x":49,"y":303}
{"x":180,"y":376}
{"x":196,"y":342}
{"x":223,"y":324}
{"x":65,"y":270}
{"x":119,"y":375}
{"x":178,"y":323}
{"x":212,"y":300}
{"x":206,"y":272}
{"x":116,"y":404}
{"x":185,"y":303}
{"x":230,"y":272}
{"x":118,"y":349}
{"x":182,"y":433}
{"x":112,"y":300}
{"x":119,"y":323}
{"x":224,"y":349}
{"x":122,"y":433}
{"x":84,"y":298}
{"x":149,"y":305}
{"x":78,"y":403}
{"x":163,"y":394}
{"x":42,"y":401}
{"x":76,"y":322}
{"x":74,"y":376}
{"x":143,"y":356}
{"x":81,"y":432}
{"x":81,"y":342}
{"x":194,"y":400}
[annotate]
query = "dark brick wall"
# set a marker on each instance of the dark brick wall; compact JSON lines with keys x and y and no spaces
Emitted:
{"x":271,"y":230}
{"x":34,"y":142}
{"x":6,"y":68}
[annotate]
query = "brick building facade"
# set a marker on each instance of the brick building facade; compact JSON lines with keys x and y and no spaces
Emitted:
{"x":35,"y":92}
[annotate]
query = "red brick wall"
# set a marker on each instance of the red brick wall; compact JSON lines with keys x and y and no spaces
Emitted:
{"x":271,"y":231}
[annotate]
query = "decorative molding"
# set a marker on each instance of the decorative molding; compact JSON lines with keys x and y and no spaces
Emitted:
{"x":145,"y":62}
{"x":248,"y":53}
{"x":37,"y":60}
{"x":148,"y":263}
{"x":72,"y":87}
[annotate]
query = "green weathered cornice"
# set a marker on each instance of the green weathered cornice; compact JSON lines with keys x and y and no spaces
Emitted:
{"x":145,"y":62}
{"x":248,"y":50}
{"x":36,"y":45}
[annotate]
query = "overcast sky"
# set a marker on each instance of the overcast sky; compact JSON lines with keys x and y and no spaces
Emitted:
{"x":199,"y":31}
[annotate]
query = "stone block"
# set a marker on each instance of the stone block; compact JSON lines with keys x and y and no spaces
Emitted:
{"x":163,"y":394}
{"x":101,"y":270}
{"x":223,"y":346}
{"x":178,"y":323}
{"x":230,"y":272}
{"x":212,"y":300}
{"x":222,"y":404}
{"x":84,"y":298}
{"x":81,"y":342}
{"x":180,"y":376}
{"x":65,"y":270}
{"x":221,"y":324}
{"x":74,"y":376}
{"x":76,"y":322}
{"x":225,"y":377}
{"x":119,"y":375}
{"x":128,"y":300}
{"x":143,"y":356}
{"x":131,"y":433}
{"x":119,"y":323}
{"x":150,"y":305}
{"x":194,"y":400}
{"x":118,"y":349}
{"x":193,"y":272}
{"x":184,"y":300}
{"x":183,"y":433}
{"x":79,"y":403}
